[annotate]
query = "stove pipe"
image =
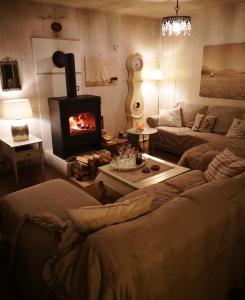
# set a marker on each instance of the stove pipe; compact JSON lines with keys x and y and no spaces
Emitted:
{"x":60,"y":60}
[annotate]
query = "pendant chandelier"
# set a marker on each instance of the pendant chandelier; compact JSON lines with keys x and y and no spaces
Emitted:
{"x":176,"y":25}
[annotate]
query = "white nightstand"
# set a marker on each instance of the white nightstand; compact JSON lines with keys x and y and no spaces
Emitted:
{"x":23,"y":150}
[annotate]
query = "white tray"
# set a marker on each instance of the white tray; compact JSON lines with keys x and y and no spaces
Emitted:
{"x":114,"y":167}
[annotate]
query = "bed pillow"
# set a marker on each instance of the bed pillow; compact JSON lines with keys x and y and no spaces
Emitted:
{"x":91,"y":218}
{"x":226,"y":164}
{"x":207,"y":124}
{"x":198,"y":121}
{"x":170,"y":117}
{"x":237,"y":129}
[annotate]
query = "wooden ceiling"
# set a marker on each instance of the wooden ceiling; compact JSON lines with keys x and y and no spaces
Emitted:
{"x":146,"y":8}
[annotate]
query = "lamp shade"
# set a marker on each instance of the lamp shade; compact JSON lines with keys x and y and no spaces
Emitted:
{"x":16,"y":109}
{"x":156,"y":74}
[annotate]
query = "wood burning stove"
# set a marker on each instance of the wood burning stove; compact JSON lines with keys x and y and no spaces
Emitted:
{"x":75,"y":124}
{"x":75,"y":120}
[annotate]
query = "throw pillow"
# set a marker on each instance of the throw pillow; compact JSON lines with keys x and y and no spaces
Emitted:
{"x":91,"y":218}
{"x":198,"y":121}
{"x":226,"y":164}
{"x":207,"y":124}
{"x":170,"y":117}
{"x":237,"y":129}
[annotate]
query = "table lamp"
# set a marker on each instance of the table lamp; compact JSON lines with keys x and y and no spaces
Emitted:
{"x":17,"y":110}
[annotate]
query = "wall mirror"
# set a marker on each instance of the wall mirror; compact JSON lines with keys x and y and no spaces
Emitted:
{"x":10,"y":76}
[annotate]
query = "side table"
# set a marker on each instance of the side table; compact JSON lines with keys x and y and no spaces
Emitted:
{"x":146,"y":131}
{"x":23,"y":150}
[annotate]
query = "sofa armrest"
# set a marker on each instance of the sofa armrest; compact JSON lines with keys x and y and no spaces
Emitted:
{"x":206,"y":159}
{"x":152,"y":121}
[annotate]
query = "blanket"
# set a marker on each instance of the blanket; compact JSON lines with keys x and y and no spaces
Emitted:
{"x":192,"y":247}
{"x":192,"y":157}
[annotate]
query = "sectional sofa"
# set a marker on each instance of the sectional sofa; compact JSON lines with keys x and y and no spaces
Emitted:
{"x":193,"y":144}
{"x":189,"y":245}
{"x":180,"y":139}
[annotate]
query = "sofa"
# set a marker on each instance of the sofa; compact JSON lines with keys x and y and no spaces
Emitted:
{"x":180,"y":139}
{"x":189,"y":245}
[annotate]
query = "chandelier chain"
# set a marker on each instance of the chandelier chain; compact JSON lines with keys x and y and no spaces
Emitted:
{"x":177,"y":8}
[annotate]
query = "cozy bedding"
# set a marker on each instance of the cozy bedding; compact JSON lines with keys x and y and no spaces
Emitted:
{"x":191,"y":247}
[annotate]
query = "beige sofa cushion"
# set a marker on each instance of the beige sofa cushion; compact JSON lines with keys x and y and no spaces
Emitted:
{"x":54,"y":196}
{"x":91,"y":218}
{"x":225,"y":116}
{"x":237,"y":129}
{"x":189,"y":112}
{"x":182,"y":138}
{"x":170,"y":117}
{"x":226,"y":164}
{"x":198,"y":121}
{"x":152,"y":121}
{"x":207,"y":124}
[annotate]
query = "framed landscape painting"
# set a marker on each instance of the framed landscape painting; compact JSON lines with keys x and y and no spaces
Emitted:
{"x":223,"y":71}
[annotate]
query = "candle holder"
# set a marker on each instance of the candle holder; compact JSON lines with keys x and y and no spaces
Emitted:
{"x":139,"y":126}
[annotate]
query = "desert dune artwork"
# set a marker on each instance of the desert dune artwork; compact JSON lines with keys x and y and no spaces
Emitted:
{"x":223,"y":71}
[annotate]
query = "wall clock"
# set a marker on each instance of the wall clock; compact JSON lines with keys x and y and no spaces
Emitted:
{"x":135,"y":101}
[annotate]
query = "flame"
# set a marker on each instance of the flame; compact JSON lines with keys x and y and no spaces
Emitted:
{"x":82,"y":123}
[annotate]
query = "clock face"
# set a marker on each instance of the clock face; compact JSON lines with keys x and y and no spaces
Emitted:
{"x":137,"y":64}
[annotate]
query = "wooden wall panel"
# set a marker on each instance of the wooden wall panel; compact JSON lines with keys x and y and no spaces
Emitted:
{"x":210,"y":27}
{"x":99,"y":33}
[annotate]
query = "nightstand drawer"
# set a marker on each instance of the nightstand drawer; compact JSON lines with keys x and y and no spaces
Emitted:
{"x":27,"y":154}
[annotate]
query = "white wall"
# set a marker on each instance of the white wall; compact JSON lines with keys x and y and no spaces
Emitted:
{"x":181,"y":58}
{"x":99,"y":35}
{"x":117,"y":36}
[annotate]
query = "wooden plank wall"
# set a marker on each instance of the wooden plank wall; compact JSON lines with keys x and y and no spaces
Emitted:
{"x":99,"y":34}
{"x":182,"y":56}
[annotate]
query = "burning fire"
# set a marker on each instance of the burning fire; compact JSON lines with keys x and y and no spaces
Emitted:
{"x":82,"y":123}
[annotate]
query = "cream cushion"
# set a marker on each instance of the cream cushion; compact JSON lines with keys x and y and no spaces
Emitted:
{"x":91,"y":218}
{"x":189,"y":111}
{"x":207,"y":124}
{"x":237,"y":129}
{"x":170,"y":117}
{"x":225,"y":116}
{"x":226,"y":164}
{"x":198,"y":121}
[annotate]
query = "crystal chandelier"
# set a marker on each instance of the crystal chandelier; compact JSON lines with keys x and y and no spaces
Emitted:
{"x":176,"y":25}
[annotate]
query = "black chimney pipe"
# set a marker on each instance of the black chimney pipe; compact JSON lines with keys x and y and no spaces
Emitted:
{"x":60,"y":60}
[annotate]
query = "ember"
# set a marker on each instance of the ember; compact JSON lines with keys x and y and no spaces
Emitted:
{"x":82,"y":123}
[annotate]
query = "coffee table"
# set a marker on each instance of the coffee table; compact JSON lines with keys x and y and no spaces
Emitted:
{"x":125,"y":182}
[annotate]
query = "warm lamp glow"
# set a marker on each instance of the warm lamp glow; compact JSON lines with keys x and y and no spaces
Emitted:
{"x":16,"y":110}
{"x":139,"y":126}
{"x":176,"y":25}
{"x":156,"y":74}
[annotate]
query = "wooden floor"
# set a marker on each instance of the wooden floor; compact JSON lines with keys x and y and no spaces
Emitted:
{"x":32,"y":175}
{"x":28,"y":176}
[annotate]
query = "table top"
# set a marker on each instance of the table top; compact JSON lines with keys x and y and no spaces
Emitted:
{"x":11,"y":143}
{"x":153,"y":177}
{"x":146,"y":130}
